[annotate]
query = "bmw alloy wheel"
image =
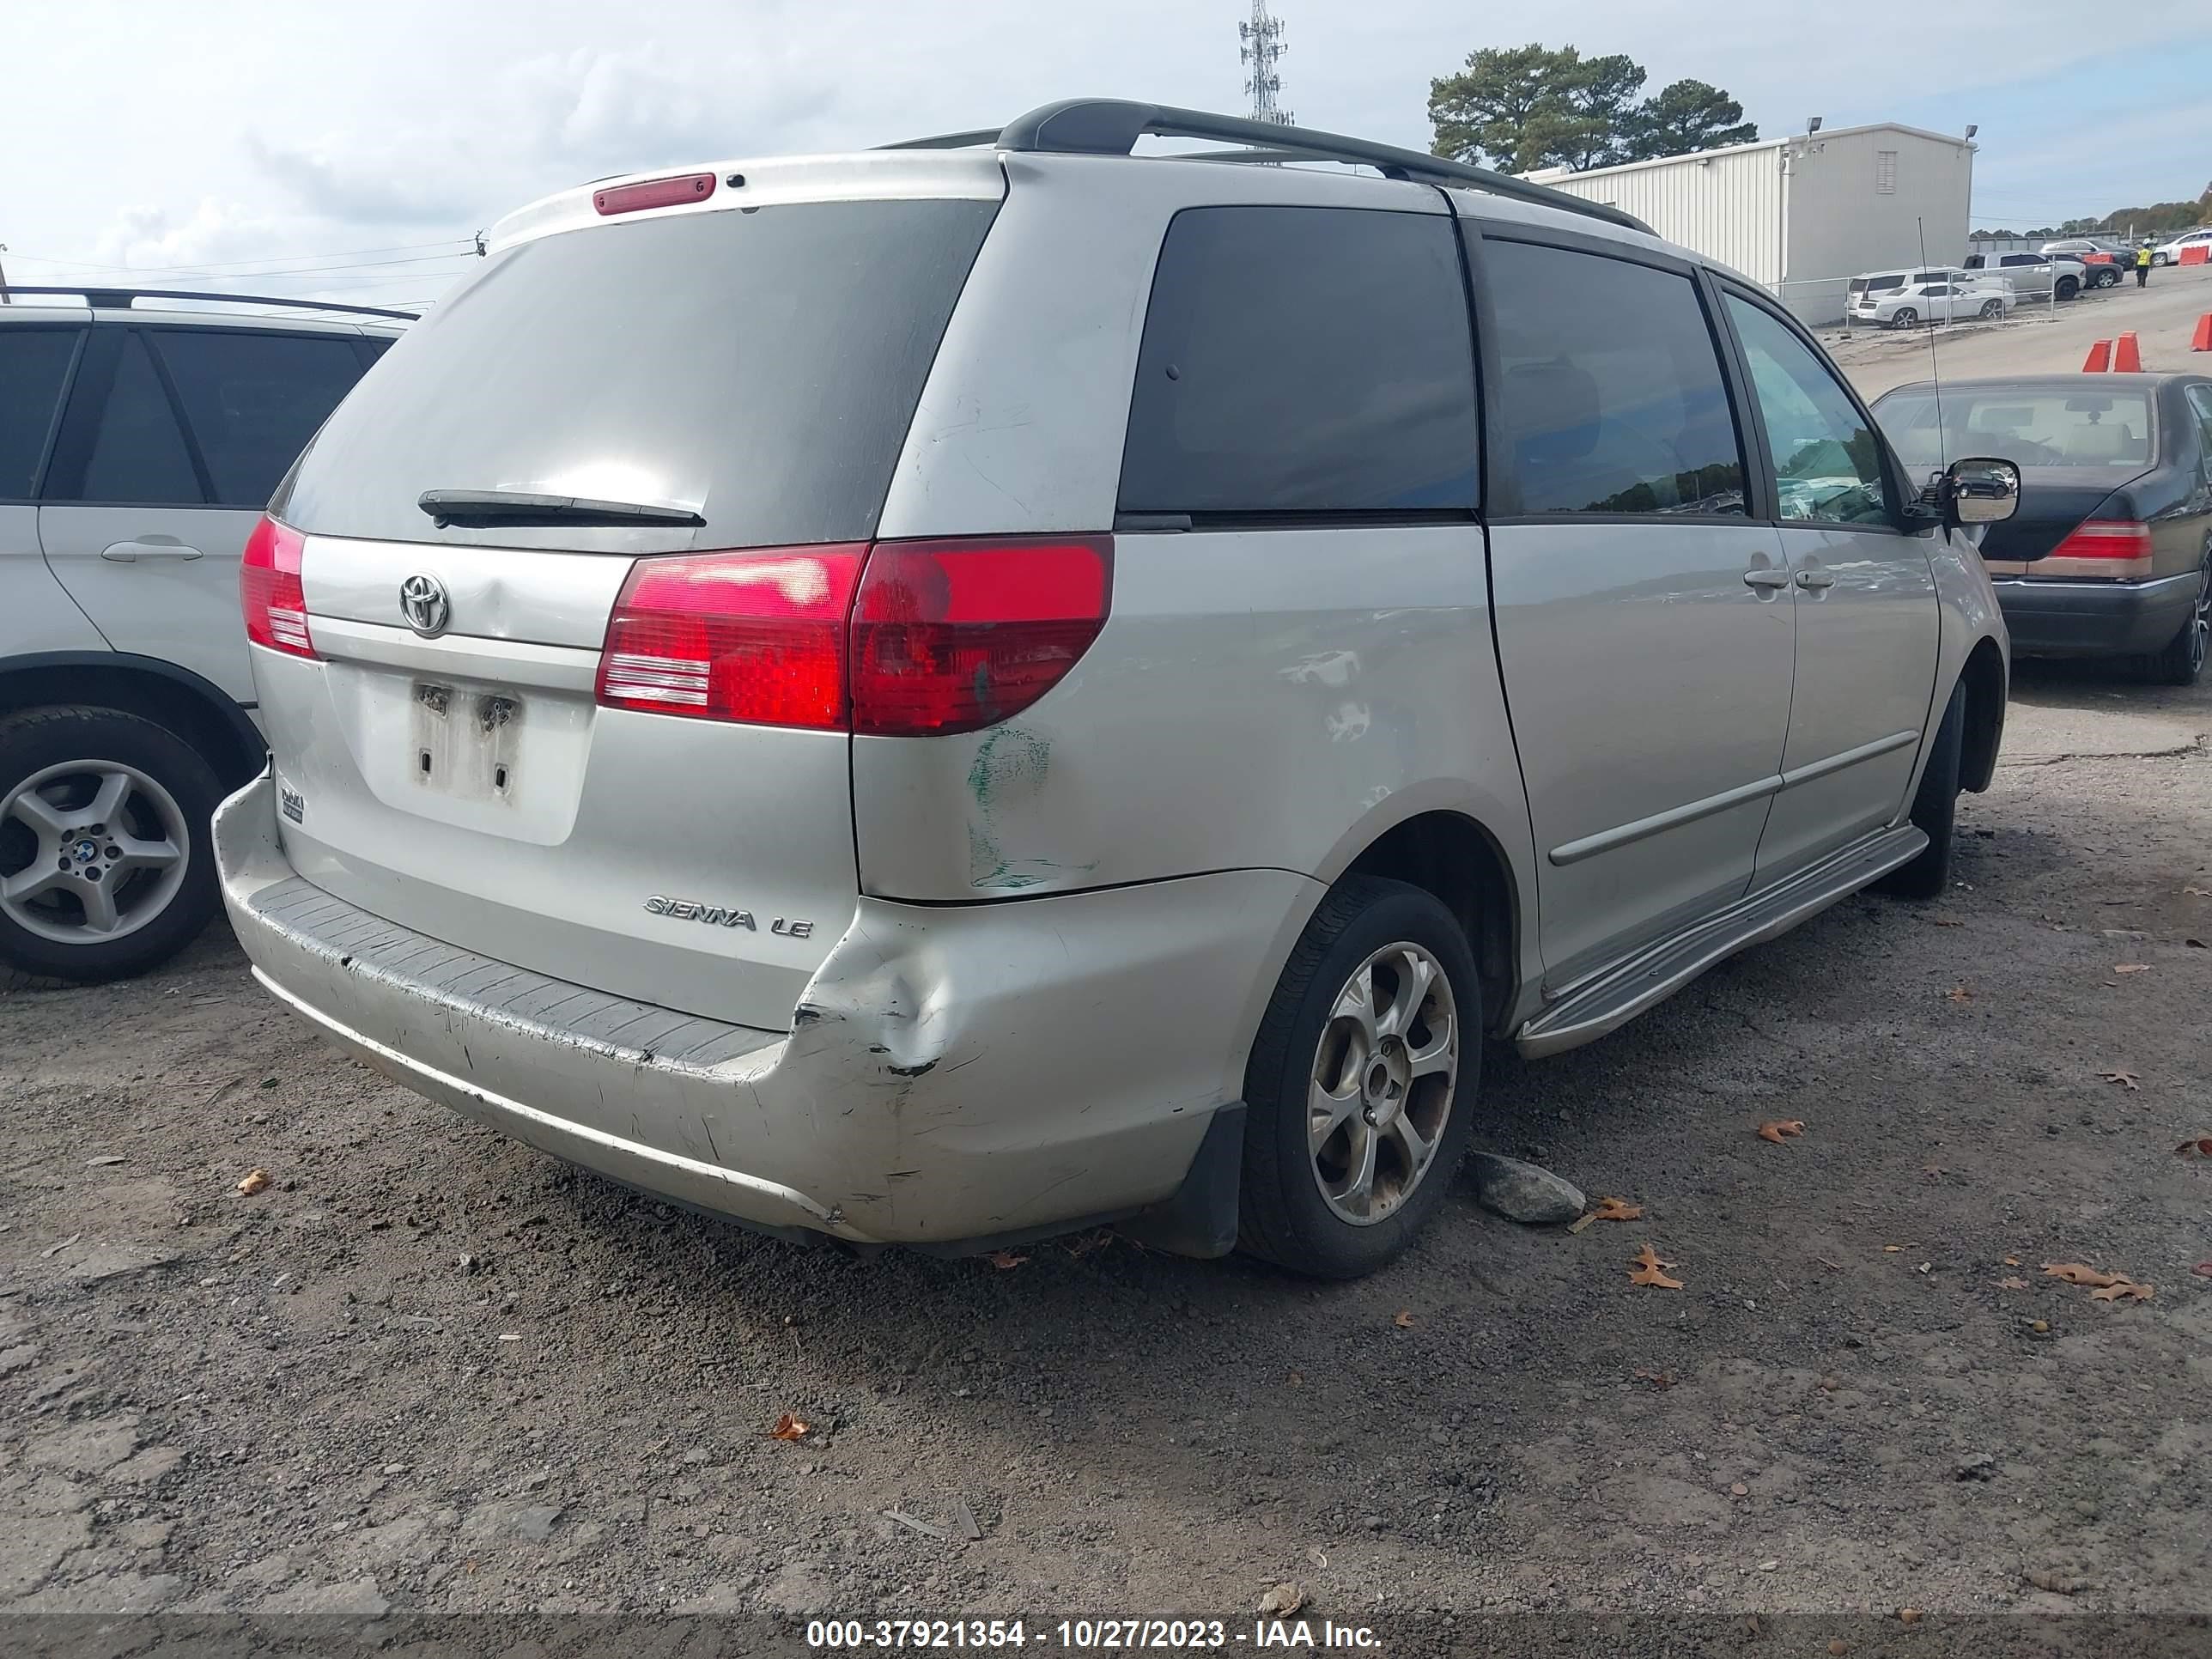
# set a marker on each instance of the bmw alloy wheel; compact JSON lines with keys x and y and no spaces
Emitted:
{"x":1383,"y":1080}
{"x":106,"y":851}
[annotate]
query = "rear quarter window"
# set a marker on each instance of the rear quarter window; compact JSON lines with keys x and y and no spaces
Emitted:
{"x":34,"y":362}
{"x":253,"y":401}
{"x":1302,"y":360}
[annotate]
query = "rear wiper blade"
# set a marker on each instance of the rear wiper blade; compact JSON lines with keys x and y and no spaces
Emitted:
{"x":490,"y":507}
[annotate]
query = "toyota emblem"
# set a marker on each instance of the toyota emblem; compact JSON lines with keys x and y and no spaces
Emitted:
{"x":423,"y":601}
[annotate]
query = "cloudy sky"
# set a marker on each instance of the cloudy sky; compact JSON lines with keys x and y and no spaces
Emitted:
{"x":350,"y":151}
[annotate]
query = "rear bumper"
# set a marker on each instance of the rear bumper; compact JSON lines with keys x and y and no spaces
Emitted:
{"x":2094,"y":618}
{"x":954,"y":1075}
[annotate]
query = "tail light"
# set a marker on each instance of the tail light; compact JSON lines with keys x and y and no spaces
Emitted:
{"x":756,"y":636}
{"x":270,"y":591}
{"x":901,"y":639}
{"x":953,"y":636}
{"x":2110,"y":547}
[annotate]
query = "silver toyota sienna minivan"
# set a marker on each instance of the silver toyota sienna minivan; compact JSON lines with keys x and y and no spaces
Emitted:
{"x":946,"y":695}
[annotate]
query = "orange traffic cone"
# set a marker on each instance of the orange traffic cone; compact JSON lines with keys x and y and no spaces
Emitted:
{"x":2201,"y":340}
{"x":2100,"y":358}
{"x":2127,"y":355}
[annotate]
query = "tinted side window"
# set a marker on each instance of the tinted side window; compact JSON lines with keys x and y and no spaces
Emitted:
{"x":1827,"y":460}
{"x":1613,"y":395}
{"x":34,"y":363}
{"x":253,"y":400}
{"x":138,"y":451}
{"x":1303,"y":360}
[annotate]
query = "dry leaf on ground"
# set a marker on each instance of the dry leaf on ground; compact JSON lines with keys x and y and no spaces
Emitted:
{"x":2127,"y":1080}
{"x":788,"y":1427}
{"x":253,"y":1181}
{"x":1282,"y":1601}
{"x":1005,"y":1260}
{"x":1774,"y":1128}
{"x":2011,"y":1261}
{"x":2199,"y":1148}
{"x":1910,"y":1615}
{"x":2076,"y":1272}
{"x":1959,"y":994}
{"x":1645,"y":1268}
{"x":1405,"y":1321}
{"x":2202,"y":1270}
{"x":1666,"y":1379}
{"x":2198,"y":892}
{"x":2125,"y":1287}
{"x":2132,"y":968}
{"x":1614,"y":1209}
{"x":2015,"y":1283}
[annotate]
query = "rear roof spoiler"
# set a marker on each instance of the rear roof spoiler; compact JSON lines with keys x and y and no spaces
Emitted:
{"x":1111,"y":126}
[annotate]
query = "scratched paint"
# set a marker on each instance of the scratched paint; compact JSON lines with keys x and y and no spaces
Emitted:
{"x":1010,"y":766}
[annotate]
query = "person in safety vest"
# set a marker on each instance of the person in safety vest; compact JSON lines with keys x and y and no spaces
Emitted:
{"x":2143,"y":264}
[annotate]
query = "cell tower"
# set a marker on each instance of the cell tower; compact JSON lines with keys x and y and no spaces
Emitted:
{"x":1263,"y":44}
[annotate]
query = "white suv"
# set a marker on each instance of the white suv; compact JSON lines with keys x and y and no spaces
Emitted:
{"x":137,"y":447}
{"x":942,"y":696}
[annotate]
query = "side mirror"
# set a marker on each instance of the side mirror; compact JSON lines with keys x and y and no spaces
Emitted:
{"x":1979,"y":491}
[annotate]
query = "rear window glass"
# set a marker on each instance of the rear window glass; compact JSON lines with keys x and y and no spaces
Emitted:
{"x":1303,"y":360}
{"x":759,"y":367}
{"x":33,"y":362}
{"x":2026,"y":426}
{"x":253,"y":400}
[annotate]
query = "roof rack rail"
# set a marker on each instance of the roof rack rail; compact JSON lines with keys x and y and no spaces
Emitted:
{"x":120,"y":299}
{"x":1111,"y":126}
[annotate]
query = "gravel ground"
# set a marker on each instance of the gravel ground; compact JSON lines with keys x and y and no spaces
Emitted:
{"x":427,"y":1369}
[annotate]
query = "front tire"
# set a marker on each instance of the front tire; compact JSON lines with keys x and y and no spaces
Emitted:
{"x":1934,"y":809}
{"x":1359,"y":1091}
{"x":105,"y":866}
{"x":2068,"y":287}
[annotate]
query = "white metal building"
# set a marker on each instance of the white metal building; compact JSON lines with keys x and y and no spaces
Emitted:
{"x":1802,"y":214}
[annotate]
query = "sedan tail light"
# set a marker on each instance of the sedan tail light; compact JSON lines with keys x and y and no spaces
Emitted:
{"x":270,"y":590}
{"x":908,"y":639}
{"x":2108,"y":547}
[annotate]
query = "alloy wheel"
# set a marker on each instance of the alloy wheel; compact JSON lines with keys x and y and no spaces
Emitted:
{"x":90,"y":851}
{"x":1384,"y":1077}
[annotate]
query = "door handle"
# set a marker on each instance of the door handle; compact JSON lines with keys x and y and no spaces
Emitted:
{"x":1764,"y":577}
{"x":131,"y":552}
{"x":1816,"y":579}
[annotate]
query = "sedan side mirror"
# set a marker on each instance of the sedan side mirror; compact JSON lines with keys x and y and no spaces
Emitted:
{"x":1979,"y":491}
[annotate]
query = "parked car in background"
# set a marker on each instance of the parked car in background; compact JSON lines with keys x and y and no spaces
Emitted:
{"x":2094,"y":250}
{"x":1916,"y":304}
{"x":137,"y":447}
{"x":2169,"y":253}
{"x":2042,"y":275}
{"x":1076,"y":700}
{"x":2110,"y":554}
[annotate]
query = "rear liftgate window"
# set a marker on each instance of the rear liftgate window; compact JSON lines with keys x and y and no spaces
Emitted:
{"x":759,"y":367}
{"x":1304,"y":361}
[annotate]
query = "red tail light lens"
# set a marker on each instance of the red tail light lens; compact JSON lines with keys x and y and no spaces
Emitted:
{"x":913,"y":639}
{"x":757,"y":636}
{"x":954,"y":636}
{"x":269,"y":589}
{"x":2121,"y":547}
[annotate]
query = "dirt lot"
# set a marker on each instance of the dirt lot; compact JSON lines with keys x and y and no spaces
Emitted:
{"x":429,"y":1369}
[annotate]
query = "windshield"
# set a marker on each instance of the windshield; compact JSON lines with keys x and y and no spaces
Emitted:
{"x":2026,"y":426}
{"x":740,"y":379}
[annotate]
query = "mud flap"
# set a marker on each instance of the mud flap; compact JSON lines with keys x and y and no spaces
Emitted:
{"x":1199,"y":1218}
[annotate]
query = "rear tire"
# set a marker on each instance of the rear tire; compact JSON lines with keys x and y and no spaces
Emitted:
{"x":54,"y":763}
{"x":1357,"y":1059}
{"x":1903,"y":317}
{"x":1992,"y":309}
{"x":1934,"y":809}
{"x":2181,"y":661}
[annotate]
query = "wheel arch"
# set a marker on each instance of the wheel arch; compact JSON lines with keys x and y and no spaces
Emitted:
{"x":195,"y":710}
{"x":1983,"y":678}
{"x":1464,"y":864}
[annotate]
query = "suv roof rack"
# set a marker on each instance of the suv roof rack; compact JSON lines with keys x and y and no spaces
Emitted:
{"x":1111,"y":126}
{"x":120,"y":299}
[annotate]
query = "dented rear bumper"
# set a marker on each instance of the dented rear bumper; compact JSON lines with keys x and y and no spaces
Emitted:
{"x":953,"y":1073}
